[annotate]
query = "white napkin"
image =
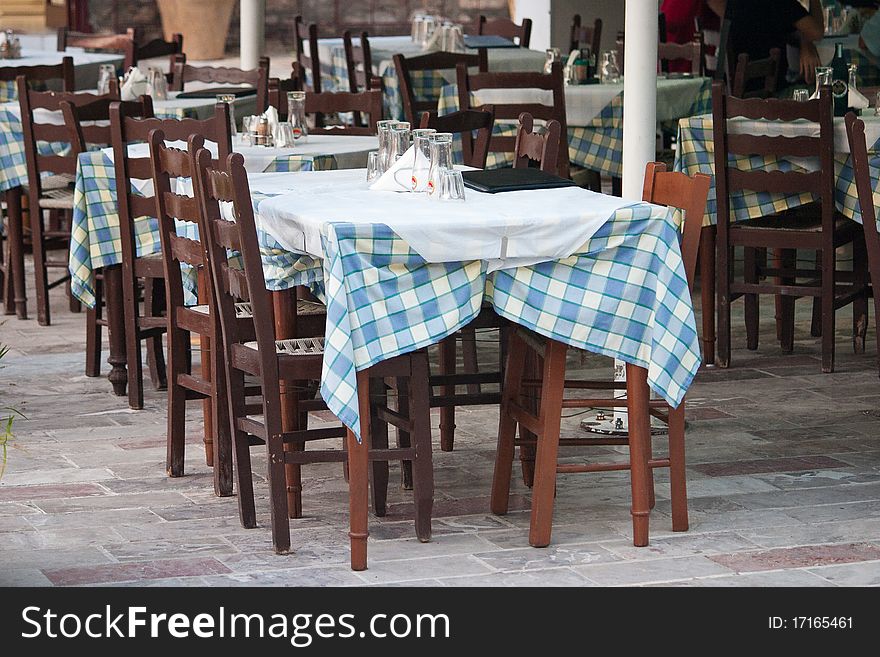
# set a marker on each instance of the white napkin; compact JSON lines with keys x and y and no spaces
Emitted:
{"x":399,"y":177}
{"x":135,"y":85}
{"x":857,"y":100}
{"x":272,"y":114}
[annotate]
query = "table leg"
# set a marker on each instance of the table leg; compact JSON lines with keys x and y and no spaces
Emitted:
{"x":638,"y":396}
{"x":284,"y":302}
{"x":113,"y":304}
{"x":15,"y":266}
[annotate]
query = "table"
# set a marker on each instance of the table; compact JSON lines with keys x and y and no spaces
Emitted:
{"x":696,"y":153}
{"x":38,"y":50}
{"x":868,"y":66}
{"x":620,"y":292}
{"x":95,"y":241}
{"x":427,"y":84}
{"x":594,"y":114}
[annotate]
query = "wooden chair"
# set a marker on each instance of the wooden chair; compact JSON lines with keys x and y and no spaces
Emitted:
{"x":272,"y":361}
{"x":86,"y":127}
{"x":817,"y":226}
{"x":413,"y":106}
{"x":364,"y":103}
{"x":155,"y":49}
{"x":466,"y":123}
{"x":858,"y":148}
{"x":50,"y":187}
{"x":765,"y":72}
{"x":661,"y":187}
{"x":584,"y":36}
{"x":359,"y":64}
{"x":278,"y":89}
{"x":106,"y":42}
{"x":542,"y":148}
{"x":504,"y":27}
{"x":13,"y":283}
{"x":258,"y":78}
{"x":306,"y":61}
{"x":553,"y":81}
{"x":692,"y":52}
{"x":148,"y":271}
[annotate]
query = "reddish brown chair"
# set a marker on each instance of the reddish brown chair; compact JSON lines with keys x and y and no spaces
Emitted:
{"x":86,"y":127}
{"x":272,"y":361}
{"x":474,"y":128}
{"x":542,"y":148}
{"x":664,"y":188}
{"x":764,"y":72}
{"x":553,"y":81}
{"x":434,"y":61}
{"x":584,"y":36}
{"x":148,"y":271}
{"x":504,"y":27}
{"x":362,"y":103}
{"x":14,"y":289}
{"x":258,"y":78}
{"x":306,"y":61}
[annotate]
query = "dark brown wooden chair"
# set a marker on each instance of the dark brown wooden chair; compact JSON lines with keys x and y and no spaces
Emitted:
{"x":585,"y":36}
{"x":692,"y":53}
{"x":665,"y":188}
{"x":148,"y":271}
{"x":273,"y":361}
{"x":474,"y":127}
{"x":757,"y":78}
{"x":306,"y":60}
{"x":553,"y":81}
{"x":88,"y":126}
{"x":817,"y":226}
{"x":363,"y":103}
{"x":258,"y":78}
{"x":14,"y":289}
{"x":154,"y":49}
{"x":50,"y":187}
{"x":413,"y":106}
{"x":541,"y":148}
{"x":504,"y":27}
{"x":858,"y":148}
{"x":359,"y":64}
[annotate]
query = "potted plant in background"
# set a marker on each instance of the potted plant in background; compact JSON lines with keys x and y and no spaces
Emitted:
{"x":204,"y":25}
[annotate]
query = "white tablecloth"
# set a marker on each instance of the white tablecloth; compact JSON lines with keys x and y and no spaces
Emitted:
{"x":508,"y":229}
{"x":39,"y":50}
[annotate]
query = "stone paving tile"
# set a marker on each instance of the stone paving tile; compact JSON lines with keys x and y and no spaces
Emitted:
{"x":135,"y":571}
{"x":54,"y":558}
{"x":831,"y":512}
{"x":386,"y":572}
{"x":67,"y":475}
{"x":23,"y":577}
{"x":798,"y":557}
{"x":775,"y":578}
{"x":861,"y":529}
{"x":767,"y":465}
{"x":680,"y":545}
{"x":553,"y":556}
{"x":851,"y":574}
{"x":111,"y":502}
{"x":645,"y":572}
{"x":546,"y":577}
{"x":326,"y":576}
{"x":212,"y":546}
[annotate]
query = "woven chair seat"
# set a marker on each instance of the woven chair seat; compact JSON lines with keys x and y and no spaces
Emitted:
{"x":294,"y":347}
{"x":242,"y":310}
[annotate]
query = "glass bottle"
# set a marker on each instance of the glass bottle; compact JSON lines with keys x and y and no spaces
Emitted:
{"x":839,"y":81}
{"x":296,"y":114}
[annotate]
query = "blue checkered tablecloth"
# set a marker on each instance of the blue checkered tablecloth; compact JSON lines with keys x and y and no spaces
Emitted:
{"x":696,"y":154}
{"x":624,"y":294}
{"x":599,"y":145}
{"x":95,"y":240}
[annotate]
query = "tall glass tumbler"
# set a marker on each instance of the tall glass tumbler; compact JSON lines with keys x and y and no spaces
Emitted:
{"x":422,"y":159}
{"x":441,"y":158}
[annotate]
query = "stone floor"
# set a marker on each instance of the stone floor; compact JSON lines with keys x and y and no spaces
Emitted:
{"x":783,"y":473}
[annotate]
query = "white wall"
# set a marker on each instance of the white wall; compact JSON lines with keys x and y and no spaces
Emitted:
{"x":552,"y":19}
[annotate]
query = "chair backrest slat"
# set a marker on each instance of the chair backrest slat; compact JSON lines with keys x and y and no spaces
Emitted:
{"x":858,"y":148}
{"x":540,"y":148}
{"x":42,"y":73}
{"x":307,"y":60}
{"x":465,"y":123}
{"x":413,"y":106}
{"x":692,"y":52}
{"x":504,"y":27}
{"x":800,"y":146}
{"x":257,"y":78}
{"x":365,"y":103}
{"x":761,"y":70}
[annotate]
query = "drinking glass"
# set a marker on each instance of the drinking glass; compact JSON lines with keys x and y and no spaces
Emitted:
{"x":800,"y":95}
{"x":422,"y":159}
{"x":229,"y":99}
{"x":551,"y":55}
{"x":823,"y":78}
{"x":373,"y":168}
{"x":398,"y":143}
{"x":451,"y":185}
{"x":609,"y":72}
{"x":296,"y":114}
{"x":384,"y":131}
{"x":285,"y":135}
{"x":106,"y":72}
{"x":441,"y":158}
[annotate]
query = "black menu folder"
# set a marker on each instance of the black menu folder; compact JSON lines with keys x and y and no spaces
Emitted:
{"x":511,"y":180}
{"x":488,"y":41}
{"x":238,"y":92}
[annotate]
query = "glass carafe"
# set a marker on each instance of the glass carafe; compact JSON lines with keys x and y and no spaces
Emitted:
{"x":106,"y":73}
{"x":296,"y":114}
{"x":823,"y":79}
{"x":158,"y":87}
{"x":441,"y":158}
{"x":609,"y":71}
{"x":551,"y":55}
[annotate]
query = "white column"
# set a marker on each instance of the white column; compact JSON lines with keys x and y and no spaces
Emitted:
{"x":639,"y":94}
{"x":253,"y":22}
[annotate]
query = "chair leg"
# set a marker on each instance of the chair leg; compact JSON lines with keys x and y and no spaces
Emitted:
{"x":513,"y":375}
{"x":637,"y":398}
{"x":154,"y":304}
{"x":544,"y":489}
{"x":290,"y":414}
{"x":176,"y":436}
{"x":860,"y":304}
{"x":724,"y":254}
{"x":93,"y":332}
{"x":447,"y":413}
{"x":133,"y":341}
{"x":750,"y":274}
{"x":207,"y":364}
{"x":677,"y":477}
{"x":404,"y":439}
{"x":41,"y":274}
{"x":652,"y":493}
{"x":378,"y":440}
{"x":816,"y":322}
{"x":787,"y":260}
{"x":469,"y":357}
{"x":358,"y":467}
{"x":423,"y":475}
{"x":14,"y":226}
{"x":278,"y":491}
{"x":707,"y":292}
{"x":828,"y":279}
{"x":235,"y":403}
{"x":220,"y":418}
{"x":531,"y":401}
